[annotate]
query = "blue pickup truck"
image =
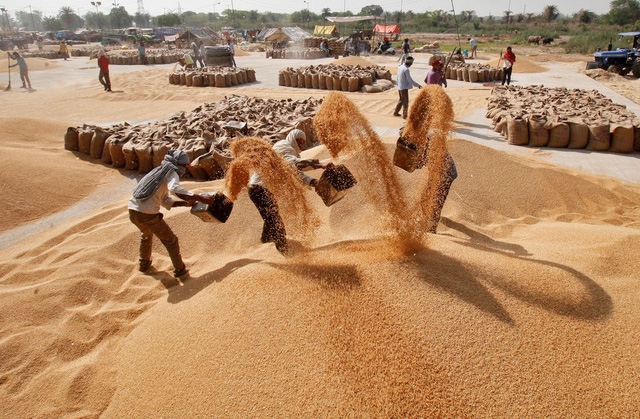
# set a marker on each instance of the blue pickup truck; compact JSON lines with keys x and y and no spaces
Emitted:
{"x":620,"y":61}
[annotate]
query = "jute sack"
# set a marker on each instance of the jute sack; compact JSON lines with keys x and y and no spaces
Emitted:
{"x":517,"y":131}
{"x":636,"y":138}
{"x":337,"y":84}
{"x":243,"y":76}
{"x":117,"y":155}
{"x":538,"y":135}
{"x":308,"y":81}
{"x":158,"y":151}
{"x":207,"y":163}
{"x":220,"y":82}
{"x":599,"y":136}
{"x":189,"y":79}
{"x":212,"y":80}
{"x":622,"y":138}
{"x":71,"y":139}
{"x":579,"y":134}
{"x":281,"y":79}
{"x":223,"y":159}
{"x":371,"y":88}
{"x":97,"y":142}
{"x":366,"y":80}
{"x":197,"y":80}
{"x":459,"y":74}
{"x":465,"y":74}
{"x":294,"y":79}
{"x":329,"y":82}
{"x":300,"y":80}
{"x":251,"y":75}
{"x":344,"y":83}
{"x":353,"y":84}
{"x":233,"y":78}
{"x":144,"y":153}
{"x":322,"y":81}
{"x":106,"y":156}
{"x":287,"y":78}
{"x":559,"y":134}
{"x":315,"y":82}
{"x":183,"y":79}
{"x":130,"y":158}
{"x":84,"y":141}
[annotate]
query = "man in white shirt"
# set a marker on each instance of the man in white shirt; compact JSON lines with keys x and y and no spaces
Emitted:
{"x":474,"y":47}
{"x":150,"y":194}
{"x":405,"y":82}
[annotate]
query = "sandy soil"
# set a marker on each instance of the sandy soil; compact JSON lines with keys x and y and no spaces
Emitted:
{"x":524,"y":304}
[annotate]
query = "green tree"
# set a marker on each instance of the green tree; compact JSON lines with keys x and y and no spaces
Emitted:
{"x":623,"y":12}
{"x":169,"y":19}
{"x":550,"y":13}
{"x":142,"y":20}
{"x":52,"y":24}
{"x":32,"y":21}
{"x":373,"y":10}
{"x":468,"y":15}
{"x":585,"y":16}
{"x":96,"y":20}
{"x":119,"y":18}
{"x":67,"y":17}
{"x":325,"y":12}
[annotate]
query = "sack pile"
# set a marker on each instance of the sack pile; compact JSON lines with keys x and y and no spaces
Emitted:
{"x":205,"y":134}
{"x":559,"y":117}
{"x":216,"y":76}
{"x":473,"y":72}
{"x":347,"y":78}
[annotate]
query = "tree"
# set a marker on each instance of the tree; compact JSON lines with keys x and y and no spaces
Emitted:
{"x":585,"y":16}
{"x":31,"y":21}
{"x":507,"y":16}
{"x":142,"y":20}
{"x":119,"y":18}
{"x":468,"y":15}
{"x":550,"y":13}
{"x":398,"y":17}
{"x":623,"y":12}
{"x":325,"y":12}
{"x":253,"y":16}
{"x":372,"y":9}
{"x":169,"y":19}
{"x":52,"y":24}
{"x":96,"y":20}
{"x":67,"y":17}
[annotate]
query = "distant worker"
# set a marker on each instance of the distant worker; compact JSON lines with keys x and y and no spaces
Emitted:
{"x":142,"y":52}
{"x":149,"y":195}
{"x":405,"y":82}
{"x":232,"y":50}
{"x":474,"y":47}
{"x":186,"y":61}
{"x":24,"y":70}
{"x":406,"y":48}
{"x":507,"y":68}
{"x":64,"y":50}
{"x":324,"y":46}
{"x":202,"y":54}
{"x":435,"y":76}
{"x":103,"y":76}
{"x":273,"y":229}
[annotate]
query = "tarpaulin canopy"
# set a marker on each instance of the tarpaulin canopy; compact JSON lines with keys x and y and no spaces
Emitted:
{"x":341,"y":19}
{"x":324,"y":30}
{"x":388,"y":29}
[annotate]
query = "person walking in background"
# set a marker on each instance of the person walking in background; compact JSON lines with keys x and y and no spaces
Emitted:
{"x":64,"y":50}
{"x":186,"y":61}
{"x":149,"y":195}
{"x":201,"y":54}
{"x":142,"y":52}
{"x":507,"y":68}
{"x":474,"y":47}
{"x":435,"y":76}
{"x":405,"y":50}
{"x":103,"y":76}
{"x":24,"y":70}
{"x":232,"y":60}
{"x":405,"y":82}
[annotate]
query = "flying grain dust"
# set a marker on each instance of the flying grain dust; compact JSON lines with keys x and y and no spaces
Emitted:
{"x":253,"y":154}
{"x":345,"y":131}
{"x":428,"y":125}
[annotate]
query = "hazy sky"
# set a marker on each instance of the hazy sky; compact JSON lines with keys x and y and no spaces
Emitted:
{"x":157,"y":7}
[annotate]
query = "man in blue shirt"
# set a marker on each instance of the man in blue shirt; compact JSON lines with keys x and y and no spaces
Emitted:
{"x":405,"y":82}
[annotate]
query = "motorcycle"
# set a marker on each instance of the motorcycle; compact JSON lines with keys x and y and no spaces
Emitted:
{"x":384,"y":48}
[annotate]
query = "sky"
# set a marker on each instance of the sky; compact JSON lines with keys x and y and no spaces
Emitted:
{"x":158,"y":7}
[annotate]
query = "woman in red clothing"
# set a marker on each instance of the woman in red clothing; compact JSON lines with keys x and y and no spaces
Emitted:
{"x":103,"y":63}
{"x":509,"y":58}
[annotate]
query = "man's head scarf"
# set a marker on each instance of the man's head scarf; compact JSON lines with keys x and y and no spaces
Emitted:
{"x":150,"y":183}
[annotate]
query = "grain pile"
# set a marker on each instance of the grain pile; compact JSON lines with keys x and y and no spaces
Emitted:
{"x":213,"y":76}
{"x":344,"y":77}
{"x":204,"y":134}
{"x":559,"y":117}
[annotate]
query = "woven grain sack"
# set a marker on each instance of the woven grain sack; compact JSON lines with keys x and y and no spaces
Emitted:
{"x":599,"y":136}
{"x":158,"y":151}
{"x":344,"y":83}
{"x":205,"y":79}
{"x":106,"y":155}
{"x":337,"y":84}
{"x":281,"y":79}
{"x":183,"y":79}
{"x":308,"y":81}
{"x":481,"y":75}
{"x":300,"y":80}
{"x":251,"y":75}
{"x":447,"y":72}
{"x":501,"y":126}
{"x":197,"y":80}
{"x":207,"y":163}
{"x":538,"y":134}
{"x":366,"y":80}
{"x":459,"y":75}
{"x":233,"y":77}
{"x":287,"y":78}
{"x":294,"y":79}
{"x":579,"y":135}
{"x":189,"y":79}
{"x":354,"y":83}
{"x":622,"y":138}
{"x":636,"y":138}
{"x":322,"y":81}
{"x":243,"y":76}
{"x":117,"y":156}
{"x":517,"y":131}
{"x":172,"y":78}
{"x":473,"y":75}
{"x":222,"y":158}
{"x":329,"y":82}
{"x":97,"y":143}
{"x":71,"y":139}
{"x":315,"y":82}
{"x":84,"y":141}
{"x":559,"y":134}
{"x":371,"y":88}
{"x":220,"y":81}
{"x":212,"y":79}
{"x":130,"y":158}
{"x":144,"y":153}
